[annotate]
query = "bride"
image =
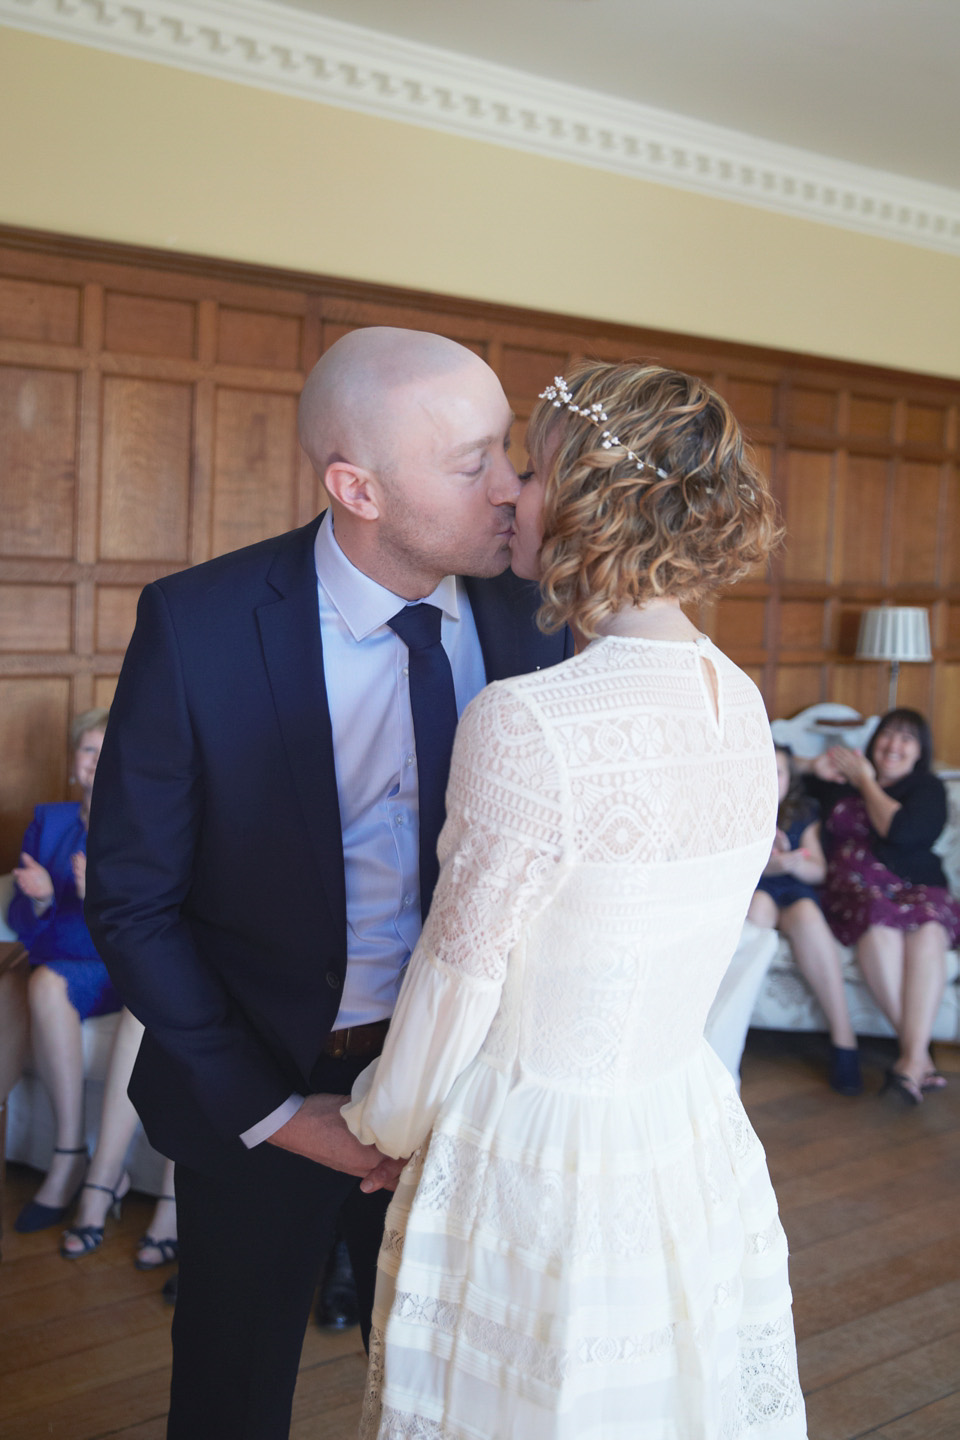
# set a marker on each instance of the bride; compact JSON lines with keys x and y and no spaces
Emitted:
{"x":585,"y":1243}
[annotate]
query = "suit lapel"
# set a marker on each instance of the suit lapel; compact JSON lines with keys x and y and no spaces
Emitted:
{"x":503,"y":610}
{"x":293,"y":655}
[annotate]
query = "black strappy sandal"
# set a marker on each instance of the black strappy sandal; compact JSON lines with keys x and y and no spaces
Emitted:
{"x":91,"y":1236}
{"x":169,"y":1248}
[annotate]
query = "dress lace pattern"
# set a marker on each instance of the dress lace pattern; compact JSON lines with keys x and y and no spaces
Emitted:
{"x":585,"y":1244}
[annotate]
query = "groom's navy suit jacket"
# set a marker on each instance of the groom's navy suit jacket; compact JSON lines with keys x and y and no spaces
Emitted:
{"x":215,"y":890}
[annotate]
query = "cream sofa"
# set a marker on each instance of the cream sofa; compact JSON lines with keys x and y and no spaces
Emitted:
{"x":784,"y":1001}
{"x":29,"y":1115}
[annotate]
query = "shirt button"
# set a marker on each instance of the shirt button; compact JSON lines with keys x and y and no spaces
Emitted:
{"x":410,"y":759}
{"x":401,"y":819}
{"x":407,"y":901}
{"x":405,"y":670}
{"x":333,"y":980}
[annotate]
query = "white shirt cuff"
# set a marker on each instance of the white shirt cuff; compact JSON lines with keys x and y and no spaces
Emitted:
{"x":271,"y":1123}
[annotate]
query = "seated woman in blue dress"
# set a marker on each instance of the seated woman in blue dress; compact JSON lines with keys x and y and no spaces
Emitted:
{"x":787,"y":898}
{"x":68,"y":983}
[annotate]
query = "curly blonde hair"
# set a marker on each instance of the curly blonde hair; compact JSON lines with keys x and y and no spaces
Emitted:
{"x":616,"y":533}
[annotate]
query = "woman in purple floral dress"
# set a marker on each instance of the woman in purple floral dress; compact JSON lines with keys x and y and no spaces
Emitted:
{"x":885,"y":891}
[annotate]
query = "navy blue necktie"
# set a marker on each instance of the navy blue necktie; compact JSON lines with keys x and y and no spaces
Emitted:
{"x":434,"y":707}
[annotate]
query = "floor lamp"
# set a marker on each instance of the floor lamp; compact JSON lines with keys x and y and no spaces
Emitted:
{"x":895,"y":633}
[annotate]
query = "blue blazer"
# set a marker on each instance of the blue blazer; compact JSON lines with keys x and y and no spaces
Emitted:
{"x":55,"y":833}
{"x":215,"y":886}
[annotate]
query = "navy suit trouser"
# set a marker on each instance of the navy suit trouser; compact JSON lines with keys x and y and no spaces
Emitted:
{"x":253,"y":1239}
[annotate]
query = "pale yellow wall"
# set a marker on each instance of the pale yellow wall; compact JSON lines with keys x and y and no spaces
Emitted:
{"x":102,"y":146}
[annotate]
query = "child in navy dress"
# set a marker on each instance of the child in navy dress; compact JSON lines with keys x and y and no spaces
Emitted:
{"x":787,"y":899}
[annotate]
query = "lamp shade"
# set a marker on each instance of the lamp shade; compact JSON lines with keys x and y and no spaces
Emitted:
{"x":894,"y":633}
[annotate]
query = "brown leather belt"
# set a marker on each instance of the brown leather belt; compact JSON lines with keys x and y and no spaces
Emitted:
{"x":361,"y":1041}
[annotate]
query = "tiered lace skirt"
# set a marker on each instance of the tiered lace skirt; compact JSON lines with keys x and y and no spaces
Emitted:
{"x":561,"y":1266}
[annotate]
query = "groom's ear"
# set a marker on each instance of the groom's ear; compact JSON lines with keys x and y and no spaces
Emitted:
{"x":354,"y":488}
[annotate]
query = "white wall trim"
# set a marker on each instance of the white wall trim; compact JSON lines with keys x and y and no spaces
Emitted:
{"x":254,"y":43}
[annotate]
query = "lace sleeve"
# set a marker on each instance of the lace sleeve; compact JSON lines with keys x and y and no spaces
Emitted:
{"x":499,"y":852}
{"x":503,"y":835}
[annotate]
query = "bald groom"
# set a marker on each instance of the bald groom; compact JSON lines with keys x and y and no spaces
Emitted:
{"x":255,"y":876}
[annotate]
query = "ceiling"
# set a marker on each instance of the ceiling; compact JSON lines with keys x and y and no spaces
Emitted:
{"x":871,"y":82}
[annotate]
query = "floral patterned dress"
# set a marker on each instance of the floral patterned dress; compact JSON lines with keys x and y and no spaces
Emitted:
{"x":861,"y":891}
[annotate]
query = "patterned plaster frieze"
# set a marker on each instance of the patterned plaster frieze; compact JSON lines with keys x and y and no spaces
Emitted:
{"x":297,"y":53}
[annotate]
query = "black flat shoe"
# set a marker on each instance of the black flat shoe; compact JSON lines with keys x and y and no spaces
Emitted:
{"x":169,"y":1291}
{"x":35,"y":1216}
{"x":844,"y":1073}
{"x":901,"y":1085}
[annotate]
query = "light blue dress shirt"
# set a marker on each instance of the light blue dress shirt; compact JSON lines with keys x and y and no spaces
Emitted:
{"x":368,"y":694}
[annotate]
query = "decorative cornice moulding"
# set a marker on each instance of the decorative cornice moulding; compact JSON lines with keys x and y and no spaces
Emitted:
{"x":297,"y":53}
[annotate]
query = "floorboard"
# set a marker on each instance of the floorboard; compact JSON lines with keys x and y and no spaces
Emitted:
{"x":868,"y":1193}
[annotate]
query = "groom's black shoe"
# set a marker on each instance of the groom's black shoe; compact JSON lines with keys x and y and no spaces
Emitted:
{"x":337,"y":1306}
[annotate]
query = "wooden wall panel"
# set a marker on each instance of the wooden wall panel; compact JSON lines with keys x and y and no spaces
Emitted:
{"x":870,"y":418}
{"x":148,"y":421}
{"x":807,"y":515}
{"x":115,"y":616}
{"x":145,"y":478}
{"x":36,"y":618}
{"x":144,"y":325}
{"x":257,"y":339}
{"x":916,"y":524}
{"x":38,"y":461}
{"x":801,"y":625}
{"x":950,"y":557}
{"x":255,"y":467}
{"x":795,"y":687}
{"x":861,"y":519}
{"x":34,"y":721}
{"x":33,"y":311}
{"x":946,"y":708}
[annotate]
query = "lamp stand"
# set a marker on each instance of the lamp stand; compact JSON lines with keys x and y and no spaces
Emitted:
{"x":894,"y":677}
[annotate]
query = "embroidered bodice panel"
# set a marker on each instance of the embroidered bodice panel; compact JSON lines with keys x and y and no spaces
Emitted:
{"x":607,"y":830}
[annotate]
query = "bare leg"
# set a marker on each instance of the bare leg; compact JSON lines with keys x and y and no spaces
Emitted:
{"x":118,"y":1121}
{"x":58,"y":1054}
{"x":924,"y":978}
{"x":818,"y":960}
{"x":163,"y":1227}
{"x":880,"y":954}
{"x":763,"y":910}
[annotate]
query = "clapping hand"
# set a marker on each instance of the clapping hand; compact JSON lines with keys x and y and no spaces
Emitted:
{"x":853,"y":766}
{"x":34,"y":881}
{"x":79,"y":863}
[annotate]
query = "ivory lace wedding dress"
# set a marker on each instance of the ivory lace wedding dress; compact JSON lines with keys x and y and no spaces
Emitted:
{"x":585,"y":1245}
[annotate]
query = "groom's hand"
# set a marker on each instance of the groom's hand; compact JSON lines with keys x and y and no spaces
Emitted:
{"x":319,"y":1132}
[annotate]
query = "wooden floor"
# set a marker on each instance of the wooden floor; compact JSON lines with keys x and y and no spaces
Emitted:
{"x":870,"y":1196}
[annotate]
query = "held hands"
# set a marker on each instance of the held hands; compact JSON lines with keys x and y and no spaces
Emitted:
{"x":319,"y":1132}
{"x":34,"y":881}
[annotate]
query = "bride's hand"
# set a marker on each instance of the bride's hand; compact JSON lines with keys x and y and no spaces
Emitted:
{"x":383,"y":1176}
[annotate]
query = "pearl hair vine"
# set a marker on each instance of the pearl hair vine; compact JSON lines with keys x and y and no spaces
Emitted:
{"x":559,"y":393}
